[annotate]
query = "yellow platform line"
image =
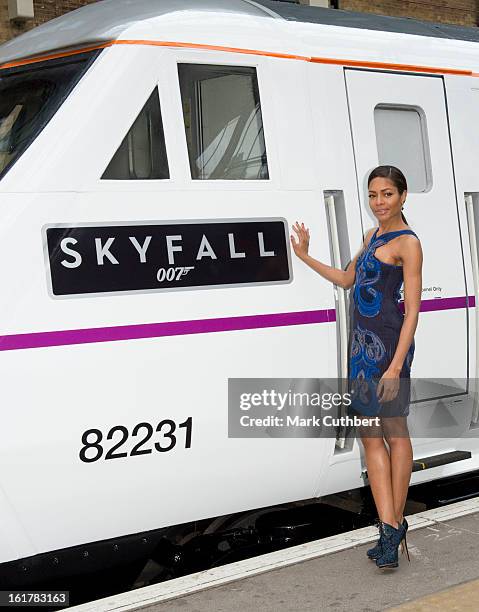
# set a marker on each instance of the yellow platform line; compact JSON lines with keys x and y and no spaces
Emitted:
{"x":463,"y":597}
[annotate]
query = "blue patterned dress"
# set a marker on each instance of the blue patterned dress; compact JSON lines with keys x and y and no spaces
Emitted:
{"x":375,"y":325}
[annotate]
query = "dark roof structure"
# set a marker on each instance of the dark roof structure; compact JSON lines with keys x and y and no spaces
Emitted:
{"x":350,"y":19}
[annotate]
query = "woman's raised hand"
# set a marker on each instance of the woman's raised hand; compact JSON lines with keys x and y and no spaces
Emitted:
{"x":301,"y":247}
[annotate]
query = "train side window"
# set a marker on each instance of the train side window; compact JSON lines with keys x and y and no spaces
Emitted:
{"x":142,"y":154}
{"x":401,"y":138}
{"x":223,"y":122}
{"x":30,"y":96}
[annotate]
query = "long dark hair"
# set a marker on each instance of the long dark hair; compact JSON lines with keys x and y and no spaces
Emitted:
{"x":393,"y":174}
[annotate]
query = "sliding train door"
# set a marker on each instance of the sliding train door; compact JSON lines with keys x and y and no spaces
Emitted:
{"x":401,"y":119}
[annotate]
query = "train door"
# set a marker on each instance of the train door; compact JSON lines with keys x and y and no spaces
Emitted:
{"x":401,"y":119}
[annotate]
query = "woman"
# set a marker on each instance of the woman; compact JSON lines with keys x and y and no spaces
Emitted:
{"x":381,"y":347}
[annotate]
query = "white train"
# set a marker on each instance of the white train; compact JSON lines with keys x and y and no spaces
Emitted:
{"x":154,"y":155}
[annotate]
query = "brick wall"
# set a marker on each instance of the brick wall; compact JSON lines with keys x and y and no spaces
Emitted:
{"x":44,"y":11}
{"x":460,"y":12}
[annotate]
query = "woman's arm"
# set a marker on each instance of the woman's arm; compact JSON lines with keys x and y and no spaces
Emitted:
{"x":342,"y":278}
{"x":411,"y":255}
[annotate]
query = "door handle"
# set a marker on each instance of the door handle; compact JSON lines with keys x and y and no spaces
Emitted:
{"x":471,"y":223}
{"x":340,"y":252}
{"x":341,"y":297}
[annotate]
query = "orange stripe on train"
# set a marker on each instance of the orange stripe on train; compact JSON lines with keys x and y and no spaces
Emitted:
{"x":205,"y":47}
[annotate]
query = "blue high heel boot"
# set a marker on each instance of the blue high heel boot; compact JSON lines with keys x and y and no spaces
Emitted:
{"x":392,"y":537}
{"x":376,"y":552}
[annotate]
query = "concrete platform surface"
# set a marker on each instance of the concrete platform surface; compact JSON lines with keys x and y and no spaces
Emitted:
{"x":442,"y":555}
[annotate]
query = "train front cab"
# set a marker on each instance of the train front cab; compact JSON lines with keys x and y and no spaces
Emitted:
{"x":121,"y":152}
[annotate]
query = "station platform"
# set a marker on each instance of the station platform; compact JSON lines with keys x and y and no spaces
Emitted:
{"x":334,"y":574}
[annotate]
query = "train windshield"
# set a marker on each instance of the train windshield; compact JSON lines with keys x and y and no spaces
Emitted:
{"x":29,"y":97}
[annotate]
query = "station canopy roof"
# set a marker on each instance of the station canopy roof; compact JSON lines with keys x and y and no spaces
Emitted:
{"x":349,"y":19}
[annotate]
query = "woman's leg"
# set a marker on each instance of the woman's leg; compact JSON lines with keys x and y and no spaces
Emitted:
{"x":379,"y":472}
{"x":397,"y":436}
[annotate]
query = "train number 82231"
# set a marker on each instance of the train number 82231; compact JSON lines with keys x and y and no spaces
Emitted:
{"x":94,"y":447}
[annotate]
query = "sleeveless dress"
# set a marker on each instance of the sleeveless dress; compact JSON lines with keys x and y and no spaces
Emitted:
{"x":375,"y":325}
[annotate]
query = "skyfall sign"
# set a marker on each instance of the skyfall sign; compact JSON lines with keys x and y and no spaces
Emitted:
{"x":98,"y":259}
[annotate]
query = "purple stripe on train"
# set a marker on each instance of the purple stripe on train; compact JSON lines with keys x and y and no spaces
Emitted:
{"x":201,"y":326}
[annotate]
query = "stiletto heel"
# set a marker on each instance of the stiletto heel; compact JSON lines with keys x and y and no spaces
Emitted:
{"x":403,"y":541}
{"x":404,"y":546}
